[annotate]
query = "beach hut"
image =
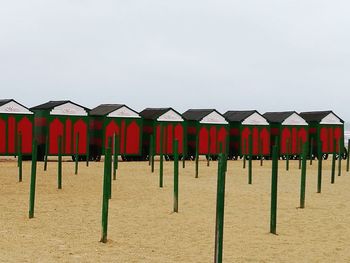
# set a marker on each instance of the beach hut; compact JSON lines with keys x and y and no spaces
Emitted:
{"x":210,"y":127}
{"x":327,"y":128}
{"x":61,"y":119}
{"x":109,"y":120}
{"x":16,"y":121}
{"x":163,"y":123}
{"x":244,"y":124}
{"x":290,"y":129}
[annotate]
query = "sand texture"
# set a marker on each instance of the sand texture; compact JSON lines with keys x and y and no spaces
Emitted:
{"x":143,"y":228}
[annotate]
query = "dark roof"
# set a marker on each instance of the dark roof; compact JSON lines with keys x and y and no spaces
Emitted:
{"x":105,"y":109}
{"x":154,"y":113}
{"x":197,"y":114}
{"x":278,"y":117}
{"x":317,"y":116}
{"x":5,"y":101}
{"x":54,"y":103}
{"x":239,"y":115}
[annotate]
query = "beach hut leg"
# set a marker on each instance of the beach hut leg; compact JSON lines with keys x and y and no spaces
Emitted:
{"x":161,"y":158}
{"x":197,"y":156}
{"x":20,"y":158}
{"x":59,"y":170}
{"x":303,"y":177}
{"x":250,"y":172}
{"x":176,"y":177}
{"x":33,"y":180}
{"x":319,"y":174}
{"x":274,"y":181}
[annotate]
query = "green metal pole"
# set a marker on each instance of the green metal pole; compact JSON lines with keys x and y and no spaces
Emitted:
{"x":33,"y":180}
{"x":220,"y":209}
{"x":176,"y":177}
{"x":250,"y":173}
{"x":108,"y":157}
{"x":59,"y":175}
{"x":303,"y":177}
{"x":161,"y":157}
{"x":333,"y":166}
{"x":76,"y":153}
{"x":197,"y":155}
{"x":348,"y":158}
{"x":287,"y":155}
{"x":116,"y":154}
{"x":340,"y":157}
{"x":311,"y":149}
{"x":20,"y":157}
{"x":106,"y":194}
{"x":319,"y":174}
{"x":274,"y":179}
{"x":46,"y":152}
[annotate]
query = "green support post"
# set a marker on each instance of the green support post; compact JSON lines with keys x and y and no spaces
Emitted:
{"x":319,"y":174}
{"x":176,"y":177}
{"x":33,"y":180}
{"x":333,"y":166}
{"x":20,"y":157}
{"x":339,"y":158}
{"x":76,"y":153}
{"x":274,"y":180}
{"x":303,"y":177}
{"x":46,"y":152}
{"x":59,"y":175}
{"x":348,"y":158}
{"x":161,"y":157}
{"x":287,"y":154}
{"x":106,"y":193}
{"x":115,"y":156}
{"x":311,"y":149}
{"x":250,"y":172}
{"x":220,"y":209}
{"x":197,"y":156}
{"x":108,"y":156}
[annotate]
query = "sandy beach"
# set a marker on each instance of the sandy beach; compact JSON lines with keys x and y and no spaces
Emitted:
{"x":143,"y":228}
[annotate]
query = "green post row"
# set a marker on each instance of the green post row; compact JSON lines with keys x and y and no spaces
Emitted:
{"x":33,"y":180}
{"x":176,"y":177}
{"x":303,"y":177}
{"x":274,"y":183}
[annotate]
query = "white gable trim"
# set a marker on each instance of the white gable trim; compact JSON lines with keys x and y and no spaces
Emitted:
{"x":294,"y":119}
{"x":69,"y":109}
{"x":331,"y":119}
{"x":255,"y":119}
{"x":14,"y":108}
{"x":123,"y":112}
{"x":214,"y":118}
{"x":170,"y":115}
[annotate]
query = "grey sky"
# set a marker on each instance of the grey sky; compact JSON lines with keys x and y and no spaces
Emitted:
{"x":249,"y":54}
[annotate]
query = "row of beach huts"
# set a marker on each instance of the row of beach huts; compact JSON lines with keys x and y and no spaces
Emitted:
{"x":88,"y":132}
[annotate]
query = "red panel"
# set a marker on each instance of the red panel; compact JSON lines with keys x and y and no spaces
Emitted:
{"x":55,"y":130}
{"x":213,"y":141}
{"x":170,"y":139}
{"x":25,"y":127}
{"x":338,"y":135}
{"x":80,"y":127}
{"x":11,"y":135}
{"x":133,"y":138}
{"x":179,"y":136}
{"x":244,"y":140}
{"x":285,"y":136}
{"x":265,"y":141}
{"x":111,"y":129}
{"x":222,"y":136}
{"x":203,"y":141}
{"x":324,"y":139}
{"x":2,"y":136}
{"x":68,"y":139}
{"x":331,"y":138}
{"x":122,"y":137}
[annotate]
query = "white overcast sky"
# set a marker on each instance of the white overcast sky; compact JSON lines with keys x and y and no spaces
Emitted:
{"x":249,"y":54}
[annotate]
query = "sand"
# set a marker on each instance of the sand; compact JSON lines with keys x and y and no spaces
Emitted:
{"x":143,"y":228}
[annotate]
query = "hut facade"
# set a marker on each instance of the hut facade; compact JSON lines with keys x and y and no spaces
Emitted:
{"x":290,"y":129}
{"x":64,"y":119}
{"x":211,"y":129}
{"x":246,"y":126}
{"x":16,"y":121}
{"x":165,"y":123}
{"x":109,"y":121}
{"x":327,"y":128}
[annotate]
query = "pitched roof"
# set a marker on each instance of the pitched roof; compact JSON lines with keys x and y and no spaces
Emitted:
{"x":317,"y":116}
{"x":196,"y":114}
{"x":239,"y":116}
{"x":5,"y":101}
{"x":277,"y":117}
{"x":54,"y":103}
{"x":105,"y":109}
{"x":154,"y":113}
